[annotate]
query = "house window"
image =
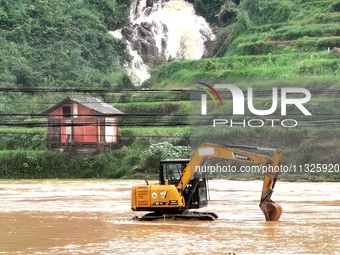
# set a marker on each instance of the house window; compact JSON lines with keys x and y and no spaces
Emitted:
{"x":67,"y":111}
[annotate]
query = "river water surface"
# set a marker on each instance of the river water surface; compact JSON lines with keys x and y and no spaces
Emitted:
{"x":92,"y":217}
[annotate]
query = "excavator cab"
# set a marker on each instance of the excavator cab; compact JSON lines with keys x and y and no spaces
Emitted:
{"x":196,"y":193}
{"x":171,"y":170}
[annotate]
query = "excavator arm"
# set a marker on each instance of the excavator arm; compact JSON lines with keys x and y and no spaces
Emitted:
{"x":270,"y":209}
{"x":204,"y":152}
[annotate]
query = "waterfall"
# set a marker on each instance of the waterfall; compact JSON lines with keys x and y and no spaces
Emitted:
{"x":163,"y":30}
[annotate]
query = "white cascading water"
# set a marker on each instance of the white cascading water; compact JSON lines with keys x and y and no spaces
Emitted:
{"x":178,"y":33}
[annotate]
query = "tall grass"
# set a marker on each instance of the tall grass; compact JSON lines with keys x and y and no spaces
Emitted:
{"x":288,"y":65}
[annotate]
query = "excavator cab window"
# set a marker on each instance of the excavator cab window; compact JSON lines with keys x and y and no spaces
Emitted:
{"x":171,"y":170}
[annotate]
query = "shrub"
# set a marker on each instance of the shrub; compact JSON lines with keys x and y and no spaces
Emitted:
{"x":334,"y":7}
{"x":150,"y":158}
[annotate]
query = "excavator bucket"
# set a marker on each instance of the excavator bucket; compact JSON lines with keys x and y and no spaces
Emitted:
{"x":271,"y":211}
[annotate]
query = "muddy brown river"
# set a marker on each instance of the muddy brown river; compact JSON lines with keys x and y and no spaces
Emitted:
{"x":92,"y":217}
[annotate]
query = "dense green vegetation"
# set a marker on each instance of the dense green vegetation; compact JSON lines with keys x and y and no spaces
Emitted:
{"x":216,"y":11}
{"x":62,"y":43}
{"x":140,"y":157}
{"x":47,"y":164}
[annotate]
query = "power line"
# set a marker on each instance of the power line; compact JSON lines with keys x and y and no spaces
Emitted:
{"x":84,"y":90}
{"x":256,"y":91}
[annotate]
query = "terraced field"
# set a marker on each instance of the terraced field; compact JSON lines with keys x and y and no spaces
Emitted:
{"x":271,"y":39}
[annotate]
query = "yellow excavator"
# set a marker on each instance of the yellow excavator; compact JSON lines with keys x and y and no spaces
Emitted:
{"x":184,"y":186}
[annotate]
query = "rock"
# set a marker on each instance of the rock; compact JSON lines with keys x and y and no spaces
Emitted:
{"x":336,"y":49}
{"x":144,"y":30}
{"x":127,"y":33}
{"x":147,"y":26}
{"x":142,"y":40}
{"x":149,"y":3}
{"x":138,"y":169}
{"x":227,"y":13}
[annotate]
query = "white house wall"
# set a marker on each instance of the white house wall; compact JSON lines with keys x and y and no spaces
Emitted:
{"x":110,"y":130}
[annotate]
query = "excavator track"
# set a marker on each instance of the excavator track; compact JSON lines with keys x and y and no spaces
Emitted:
{"x":206,"y":216}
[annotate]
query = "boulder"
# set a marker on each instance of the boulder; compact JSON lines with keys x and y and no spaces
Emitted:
{"x":149,"y":3}
{"x":336,"y":49}
{"x":142,"y":40}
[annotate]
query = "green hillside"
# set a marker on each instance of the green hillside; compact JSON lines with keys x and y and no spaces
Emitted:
{"x":62,"y":43}
{"x":268,"y":39}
